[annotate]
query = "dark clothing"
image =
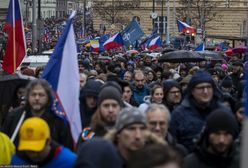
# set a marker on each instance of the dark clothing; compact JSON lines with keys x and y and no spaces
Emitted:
{"x":177,"y":147}
{"x":60,"y":130}
{"x":139,"y":94}
{"x":86,"y":114}
{"x":58,"y":156}
{"x":202,"y":158}
{"x":188,"y":120}
{"x":98,"y":153}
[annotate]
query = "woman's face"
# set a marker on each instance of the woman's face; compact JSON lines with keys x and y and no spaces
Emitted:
{"x":158,"y":95}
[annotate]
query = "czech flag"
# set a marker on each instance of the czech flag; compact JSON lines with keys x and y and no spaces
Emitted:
{"x":94,"y":45}
{"x":63,"y":75}
{"x":16,"y":43}
{"x":154,"y":43}
{"x":200,"y":47}
{"x":114,"y":42}
{"x":185,"y":28}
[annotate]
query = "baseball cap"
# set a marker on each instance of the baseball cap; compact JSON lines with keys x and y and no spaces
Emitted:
{"x":34,"y":133}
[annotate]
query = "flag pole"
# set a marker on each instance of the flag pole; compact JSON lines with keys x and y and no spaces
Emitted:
{"x":14,"y":42}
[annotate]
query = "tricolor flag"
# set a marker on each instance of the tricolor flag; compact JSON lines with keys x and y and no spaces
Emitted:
{"x":94,"y":45}
{"x":16,"y":43}
{"x":63,"y":74}
{"x":154,"y":43}
{"x":200,"y":47}
{"x":185,"y":28}
{"x":114,"y":42}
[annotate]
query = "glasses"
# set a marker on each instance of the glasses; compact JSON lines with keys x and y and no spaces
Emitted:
{"x":208,"y":87}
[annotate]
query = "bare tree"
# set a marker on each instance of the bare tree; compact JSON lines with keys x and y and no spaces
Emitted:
{"x":115,"y":11}
{"x":199,"y":12}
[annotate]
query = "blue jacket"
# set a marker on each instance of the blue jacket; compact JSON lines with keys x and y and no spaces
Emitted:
{"x":65,"y":159}
{"x":139,"y":94}
{"x":187,"y":121}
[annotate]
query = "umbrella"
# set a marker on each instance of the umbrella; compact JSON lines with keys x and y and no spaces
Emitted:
{"x":240,"y":50}
{"x":211,"y":55}
{"x":9,"y":84}
{"x":181,"y":56}
{"x":168,"y":50}
{"x":132,"y":52}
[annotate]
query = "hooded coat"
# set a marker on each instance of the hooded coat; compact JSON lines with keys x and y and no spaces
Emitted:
{"x":189,"y":118}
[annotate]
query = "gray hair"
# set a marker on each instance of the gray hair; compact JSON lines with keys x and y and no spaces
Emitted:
{"x":152,"y":107}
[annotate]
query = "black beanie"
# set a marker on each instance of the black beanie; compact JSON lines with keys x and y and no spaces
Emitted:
{"x":110,"y":92}
{"x":227,"y":82}
{"x":170,"y":83}
{"x":222,"y":120}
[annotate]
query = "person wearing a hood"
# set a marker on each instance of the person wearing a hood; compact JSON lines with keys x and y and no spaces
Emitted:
{"x":189,"y":117}
{"x":172,"y":94}
{"x":109,"y":104}
{"x":88,"y":100}
{"x":217,"y":147}
{"x":156,"y":96}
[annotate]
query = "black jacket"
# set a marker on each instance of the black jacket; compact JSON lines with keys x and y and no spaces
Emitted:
{"x":60,"y":130}
{"x":202,"y":158}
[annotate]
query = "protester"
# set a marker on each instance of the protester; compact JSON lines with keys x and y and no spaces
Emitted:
{"x":189,"y":117}
{"x":7,"y":149}
{"x":36,"y":147}
{"x":216,"y":147}
{"x":155,"y":156}
{"x":156,"y":96}
{"x":88,"y":100}
{"x":39,"y":104}
{"x":98,"y":153}
{"x":158,"y":118}
{"x":130,"y":133}
{"x":172,"y":94}
{"x":140,"y":90}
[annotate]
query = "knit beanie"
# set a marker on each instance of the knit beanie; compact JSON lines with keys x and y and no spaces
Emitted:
{"x":110,"y":92}
{"x":227,"y":82}
{"x":222,"y":120}
{"x":128,"y":116}
{"x":200,"y":76}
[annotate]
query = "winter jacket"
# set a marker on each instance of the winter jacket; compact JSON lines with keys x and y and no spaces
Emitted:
{"x":59,"y":128}
{"x":139,"y":94}
{"x":202,"y":158}
{"x":64,"y":159}
{"x":188,"y":120}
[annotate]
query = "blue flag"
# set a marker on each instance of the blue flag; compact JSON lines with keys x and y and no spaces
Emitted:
{"x":200,"y":47}
{"x":132,"y":33}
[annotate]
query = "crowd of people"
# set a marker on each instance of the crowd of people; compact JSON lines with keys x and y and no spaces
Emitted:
{"x":135,"y":112}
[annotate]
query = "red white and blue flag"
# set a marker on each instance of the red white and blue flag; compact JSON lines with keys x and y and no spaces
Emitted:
{"x":16,"y":43}
{"x":114,"y":42}
{"x":185,"y":28}
{"x":63,"y":75}
{"x":154,"y":43}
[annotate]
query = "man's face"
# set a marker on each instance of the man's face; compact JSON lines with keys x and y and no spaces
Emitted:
{"x":132,"y":137}
{"x":127,"y":93}
{"x":203,"y":93}
{"x":90,"y":101}
{"x":220,"y":142}
{"x":127,"y":77}
{"x":38,"y":99}
{"x":158,"y":95}
{"x":139,"y":81}
{"x":158,"y":122}
{"x":82,"y":80}
{"x":109,"y":109}
{"x":174,"y":96}
{"x":38,"y":157}
{"x":237,"y":69}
